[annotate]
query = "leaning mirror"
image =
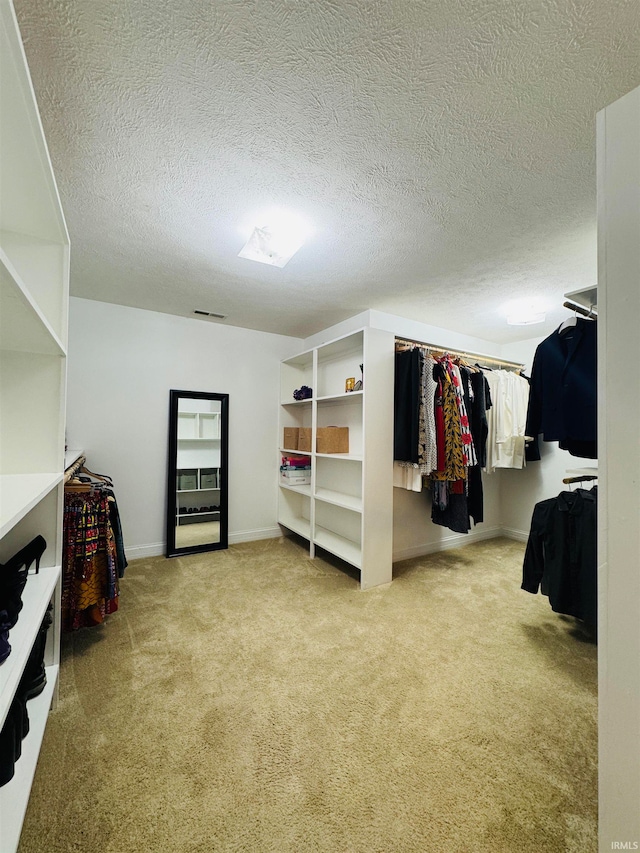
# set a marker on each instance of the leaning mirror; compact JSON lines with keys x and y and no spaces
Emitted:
{"x":197,"y":494}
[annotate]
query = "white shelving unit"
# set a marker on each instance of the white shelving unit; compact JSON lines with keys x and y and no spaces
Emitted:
{"x":348,"y":508}
{"x":34,"y":276}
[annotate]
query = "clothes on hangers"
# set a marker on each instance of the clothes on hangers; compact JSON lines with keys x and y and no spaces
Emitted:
{"x":563,"y":399}
{"x":561,"y":556}
{"x":93,"y":556}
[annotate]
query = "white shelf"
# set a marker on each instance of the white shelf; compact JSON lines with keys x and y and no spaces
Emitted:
{"x":199,"y":439}
{"x":347,"y":397}
{"x":339,"y":499}
{"x":36,"y":596}
{"x":296,"y":402}
{"x":14,"y":796}
{"x":301,"y":526}
{"x":587,"y":297}
{"x":352,"y":457}
{"x":23,"y":327}
{"x":338,"y":545}
{"x":19,"y":493}
{"x":193,"y":491}
{"x":304,"y":489}
{"x":295,"y":452}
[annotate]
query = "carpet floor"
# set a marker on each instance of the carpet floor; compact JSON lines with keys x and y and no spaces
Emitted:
{"x":256,"y":700}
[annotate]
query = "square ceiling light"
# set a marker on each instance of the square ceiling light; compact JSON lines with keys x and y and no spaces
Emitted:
{"x":277,"y":241}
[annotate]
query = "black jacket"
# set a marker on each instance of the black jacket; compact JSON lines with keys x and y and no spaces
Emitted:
{"x":561,"y":556}
{"x":562,"y":399}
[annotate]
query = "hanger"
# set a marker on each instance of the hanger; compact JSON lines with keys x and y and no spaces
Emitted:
{"x":569,"y":323}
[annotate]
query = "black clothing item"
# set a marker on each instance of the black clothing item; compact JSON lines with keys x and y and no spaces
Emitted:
{"x":455,"y":516}
{"x":475,"y":497}
{"x":562,"y":402}
{"x":406,"y":427}
{"x":561,"y":558}
{"x":481,"y":403}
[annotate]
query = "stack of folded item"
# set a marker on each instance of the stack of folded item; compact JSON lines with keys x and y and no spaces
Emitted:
{"x":295,"y":470}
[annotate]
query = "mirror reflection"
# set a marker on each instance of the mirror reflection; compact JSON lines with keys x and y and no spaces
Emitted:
{"x":197,"y":515}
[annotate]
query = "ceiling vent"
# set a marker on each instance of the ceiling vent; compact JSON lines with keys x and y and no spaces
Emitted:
{"x":210,"y":314}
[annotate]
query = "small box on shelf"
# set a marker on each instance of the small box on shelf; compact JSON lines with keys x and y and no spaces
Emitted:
{"x":209,"y":478}
{"x":332,"y":440}
{"x":291,"y":438}
{"x":187,"y":479}
{"x":304,"y":439}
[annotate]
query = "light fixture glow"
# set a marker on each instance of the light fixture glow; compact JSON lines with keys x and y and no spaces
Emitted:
{"x":277,"y":239}
{"x":524,"y":313}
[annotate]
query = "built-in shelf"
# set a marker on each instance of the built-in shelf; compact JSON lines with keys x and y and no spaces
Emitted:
{"x":301,"y":526}
{"x":194,"y":491}
{"x":337,"y":399}
{"x":14,"y":796}
{"x":20,"y":493}
{"x":338,"y":545}
{"x":304,"y":489}
{"x":71,"y":456}
{"x":35,"y":597}
{"x":339,"y":499}
{"x":351,"y":457}
{"x":587,"y":297}
{"x":306,"y":402}
{"x":23,"y":326}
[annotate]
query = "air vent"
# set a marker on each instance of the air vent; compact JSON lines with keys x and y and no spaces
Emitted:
{"x":211,"y":314}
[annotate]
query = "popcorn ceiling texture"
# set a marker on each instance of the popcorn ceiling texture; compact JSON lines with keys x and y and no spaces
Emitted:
{"x":445,"y":151}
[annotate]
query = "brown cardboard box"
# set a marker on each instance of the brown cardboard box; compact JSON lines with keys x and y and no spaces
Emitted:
{"x":332,"y":440}
{"x":304,"y":439}
{"x":291,"y":438}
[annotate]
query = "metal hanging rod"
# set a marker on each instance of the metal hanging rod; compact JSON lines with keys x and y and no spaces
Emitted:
{"x":579,"y":309}
{"x":464,"y":354}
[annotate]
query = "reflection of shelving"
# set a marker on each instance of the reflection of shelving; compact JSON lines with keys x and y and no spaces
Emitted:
{"x":347,"y":510}
{"x":34,"y":275}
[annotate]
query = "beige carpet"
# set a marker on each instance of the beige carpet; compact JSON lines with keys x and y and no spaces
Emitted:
{"x":256,"y":700}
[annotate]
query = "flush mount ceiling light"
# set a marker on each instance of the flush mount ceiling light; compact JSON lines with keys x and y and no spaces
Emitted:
{"x":276,"y":240}
{"x":525,"y":313}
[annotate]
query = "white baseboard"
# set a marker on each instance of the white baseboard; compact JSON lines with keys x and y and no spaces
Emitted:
{"x":254,"y":535}
{"x":139,"y":552}
{"x":513,"y":533}
{"x":454,"y":540}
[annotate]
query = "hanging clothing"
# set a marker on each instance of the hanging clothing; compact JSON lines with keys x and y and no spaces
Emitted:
{"x":89,"y":562}
{"x":561,"y":556}
{"x":563,"y":404}
{"x":506,"y":420}
{"x":407,"y":405}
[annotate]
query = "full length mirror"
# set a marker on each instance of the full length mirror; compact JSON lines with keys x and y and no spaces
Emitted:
{"x":197,"y":494}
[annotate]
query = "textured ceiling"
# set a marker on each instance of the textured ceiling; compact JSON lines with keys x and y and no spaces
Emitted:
{"x":444,"y":151}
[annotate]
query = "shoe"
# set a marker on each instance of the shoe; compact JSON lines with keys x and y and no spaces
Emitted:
{"x":13,"y":577}
{"x":5,"y":646}
{"x":7,"y":750}
{"x":34,"y":677}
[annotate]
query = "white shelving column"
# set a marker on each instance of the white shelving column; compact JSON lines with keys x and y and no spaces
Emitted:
{"x":34,"y":275}
{"x":348,"y":508}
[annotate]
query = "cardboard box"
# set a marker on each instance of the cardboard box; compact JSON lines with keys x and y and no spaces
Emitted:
{"x":304,"y":439}
{"x":291,"y":438}
{"x":332,"y":440}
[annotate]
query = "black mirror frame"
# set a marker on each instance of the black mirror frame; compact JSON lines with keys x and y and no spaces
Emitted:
{"x":171,"y":550}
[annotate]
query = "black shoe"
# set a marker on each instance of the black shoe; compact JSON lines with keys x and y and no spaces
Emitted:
{"x":5,"y":646}
{"x":34,"y":677}
{"x":13,"y":577}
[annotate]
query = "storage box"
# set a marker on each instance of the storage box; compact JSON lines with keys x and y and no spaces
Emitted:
{"x":291,"y":438}
{"x":187,"y":479}
{"x":297,"y":479}
{"x":209,"y":478}
{"x":304,"y":439}
{"x":332,"y":440}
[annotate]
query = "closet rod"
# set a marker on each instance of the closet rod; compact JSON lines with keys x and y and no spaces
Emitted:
{"x":72,"y":470}
{"x":465,"y":354}
{"x":586,"y":312}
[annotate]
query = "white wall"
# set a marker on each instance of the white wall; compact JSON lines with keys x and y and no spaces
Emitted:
{"x":619,"y":498}
{"x":123,"y":363}
{"x":521,"y":490}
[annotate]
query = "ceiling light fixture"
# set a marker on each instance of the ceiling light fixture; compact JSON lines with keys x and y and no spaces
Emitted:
{"x":525,"y":313}
{"x":277,"y":239}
